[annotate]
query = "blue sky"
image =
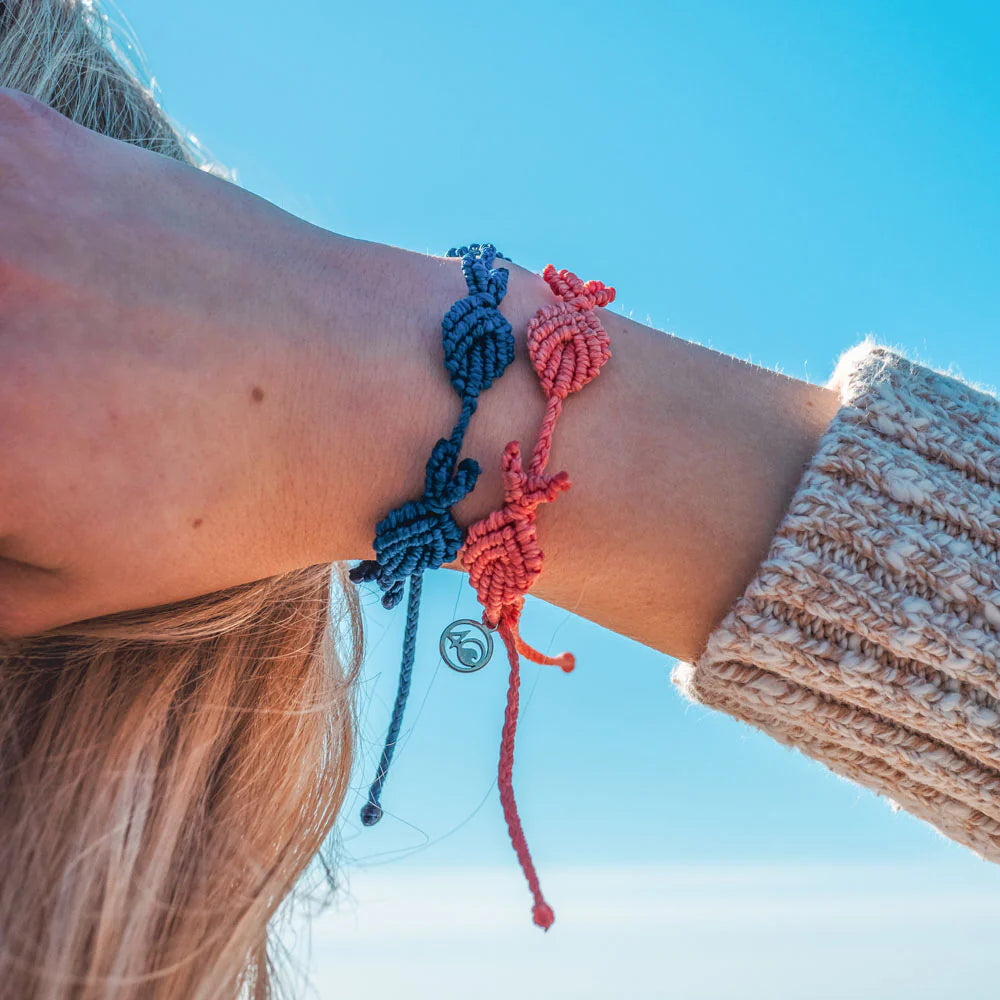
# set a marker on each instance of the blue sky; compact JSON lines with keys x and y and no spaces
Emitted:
{"x":776,"y":180}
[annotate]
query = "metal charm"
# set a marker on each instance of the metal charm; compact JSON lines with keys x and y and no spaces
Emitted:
{"x":466,"y":645}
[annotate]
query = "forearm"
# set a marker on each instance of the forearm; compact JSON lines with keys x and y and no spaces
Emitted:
{"x":682,"y":459}
{"x":234,"y":393}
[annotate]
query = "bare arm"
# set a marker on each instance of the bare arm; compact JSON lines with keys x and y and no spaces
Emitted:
{"x":682,"y":459}
{"x":198,"y":389}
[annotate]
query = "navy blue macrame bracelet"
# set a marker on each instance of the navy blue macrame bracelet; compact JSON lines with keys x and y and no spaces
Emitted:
{"x":422,"y":534}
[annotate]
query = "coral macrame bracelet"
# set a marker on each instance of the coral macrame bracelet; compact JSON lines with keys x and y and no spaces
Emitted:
{"x":568,"y":347}
{"x":422,"y":534}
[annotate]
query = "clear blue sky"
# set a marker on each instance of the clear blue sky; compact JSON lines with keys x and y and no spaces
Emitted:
{"x":775,"y":181}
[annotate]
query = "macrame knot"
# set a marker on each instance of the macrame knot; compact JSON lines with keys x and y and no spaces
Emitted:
{"x":444,"y":487}
{"x":420,"y":534}
{"x":566,"y":342}
{"x":526,"y":492}
{"x":411,"y":539}
{"x":501,"y":552}
{"x":477,"y":339}
{"x":585,"y":294}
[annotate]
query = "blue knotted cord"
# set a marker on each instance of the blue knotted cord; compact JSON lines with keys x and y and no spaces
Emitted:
{"x":422,"y":534}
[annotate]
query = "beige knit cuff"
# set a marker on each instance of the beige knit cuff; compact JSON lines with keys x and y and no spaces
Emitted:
{"x":869,"y":636}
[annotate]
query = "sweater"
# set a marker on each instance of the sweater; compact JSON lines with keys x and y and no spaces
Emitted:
{"x":869,"y":635}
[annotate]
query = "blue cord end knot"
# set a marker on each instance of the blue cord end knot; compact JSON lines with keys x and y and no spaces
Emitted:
{"x":371,"y":813}
{"x":370,"y":569}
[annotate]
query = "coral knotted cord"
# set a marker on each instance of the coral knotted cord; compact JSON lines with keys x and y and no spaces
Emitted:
{"x":568,"y":347}
{"x":541,"y":912}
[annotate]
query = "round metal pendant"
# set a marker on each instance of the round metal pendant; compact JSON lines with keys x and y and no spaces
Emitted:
{"x":466,"y":645}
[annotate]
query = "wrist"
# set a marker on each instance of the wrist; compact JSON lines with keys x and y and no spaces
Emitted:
{"x":368,"y":395}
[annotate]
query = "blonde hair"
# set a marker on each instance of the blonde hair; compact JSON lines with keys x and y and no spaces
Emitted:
{"x":166,"y":775}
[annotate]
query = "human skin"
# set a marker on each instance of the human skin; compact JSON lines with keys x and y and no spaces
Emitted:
{"x":198,"y":389}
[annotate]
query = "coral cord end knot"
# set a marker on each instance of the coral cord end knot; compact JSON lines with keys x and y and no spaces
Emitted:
{"x":543,"y":916}
{"x":371,"y":813}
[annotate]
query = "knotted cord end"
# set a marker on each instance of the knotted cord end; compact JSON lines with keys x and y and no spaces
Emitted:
{"x":542,"y":915}
{"x":565,"y":661}
{"x":365,"y":570}
{"x":370,"y":569}
{"x":371,"y":813}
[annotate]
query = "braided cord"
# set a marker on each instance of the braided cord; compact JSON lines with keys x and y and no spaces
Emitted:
{"x":371,"y":813}
{"x":421,"y":534}
{"x":568,"y":348}
{"x":541,"y":912}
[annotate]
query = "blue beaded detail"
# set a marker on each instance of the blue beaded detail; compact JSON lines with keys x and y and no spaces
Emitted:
{"x":421,"y":534}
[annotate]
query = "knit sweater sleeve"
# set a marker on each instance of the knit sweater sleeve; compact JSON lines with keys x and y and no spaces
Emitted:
{"x":869,"y":635}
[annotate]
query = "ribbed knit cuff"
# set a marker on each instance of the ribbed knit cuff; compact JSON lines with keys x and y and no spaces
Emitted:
{"x":869,"y":636}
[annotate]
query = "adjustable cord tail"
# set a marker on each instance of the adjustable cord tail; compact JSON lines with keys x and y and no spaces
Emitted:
{"x":371,"y":812}
{"x":541,"y":911}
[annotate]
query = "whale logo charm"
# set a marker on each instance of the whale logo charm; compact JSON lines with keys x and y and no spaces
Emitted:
{"x":466,"y":645}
